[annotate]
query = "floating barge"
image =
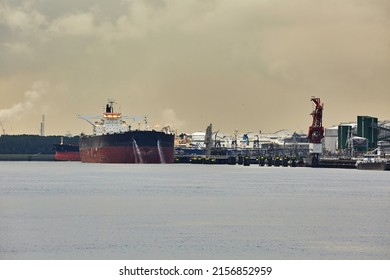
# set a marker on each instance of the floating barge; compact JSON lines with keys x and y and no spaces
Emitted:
{"x":346,"y":163}
{"x":373,"y":162}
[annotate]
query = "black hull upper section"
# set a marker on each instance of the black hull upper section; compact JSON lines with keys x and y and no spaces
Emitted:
{"x":128,"y":147}
{"x":65,"y":148}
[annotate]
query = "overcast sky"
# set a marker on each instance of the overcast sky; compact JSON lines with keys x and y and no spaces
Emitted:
{"x":249,"y":65}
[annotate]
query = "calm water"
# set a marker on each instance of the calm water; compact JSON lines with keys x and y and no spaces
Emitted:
{"x":70,"y":210}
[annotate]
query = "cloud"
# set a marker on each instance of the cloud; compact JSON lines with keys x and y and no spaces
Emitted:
{"x":31,"y":97}
{"x":22,"y":17}
{"x":81,"y":24}
{"x":213,"y":55}
{"x":19,"y":48}
{"x":170,"y":118}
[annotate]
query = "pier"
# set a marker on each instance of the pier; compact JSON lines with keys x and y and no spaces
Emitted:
{"x":276,"y":161}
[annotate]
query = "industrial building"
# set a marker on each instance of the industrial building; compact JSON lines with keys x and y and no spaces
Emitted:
{"x":367,"y":134}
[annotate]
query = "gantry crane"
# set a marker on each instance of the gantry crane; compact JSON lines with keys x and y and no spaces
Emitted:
{"x":316,"y":131}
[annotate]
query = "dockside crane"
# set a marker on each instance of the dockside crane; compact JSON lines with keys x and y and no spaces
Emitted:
{"x":316,"y":131}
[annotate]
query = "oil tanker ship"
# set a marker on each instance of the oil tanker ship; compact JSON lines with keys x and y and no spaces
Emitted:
{"x":113,"y":141}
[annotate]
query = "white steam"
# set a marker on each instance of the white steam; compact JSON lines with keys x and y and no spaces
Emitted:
{"x":31,"y":96}
{"x":169,"y":118}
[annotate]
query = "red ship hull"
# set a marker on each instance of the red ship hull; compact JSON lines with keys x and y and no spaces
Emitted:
{"x":128,"y":147}
{"x":66,"y":152}
{"x":67,"y":156}
{"x":127,"y":155}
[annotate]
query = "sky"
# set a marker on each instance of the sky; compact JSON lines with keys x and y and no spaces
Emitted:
{"x":250,"y":65}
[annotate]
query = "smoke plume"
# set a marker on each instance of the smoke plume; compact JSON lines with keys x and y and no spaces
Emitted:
{"x":169,"y":118}
{"x":31,"y":97}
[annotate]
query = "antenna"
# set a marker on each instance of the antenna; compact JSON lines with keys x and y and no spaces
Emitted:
{"x":43,"y":126}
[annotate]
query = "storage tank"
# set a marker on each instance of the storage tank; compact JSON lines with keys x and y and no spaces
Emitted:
{"x":344,"y":133}
{"x":366,"y":130}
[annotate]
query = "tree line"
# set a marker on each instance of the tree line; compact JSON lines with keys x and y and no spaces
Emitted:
{"x":32,"y":144}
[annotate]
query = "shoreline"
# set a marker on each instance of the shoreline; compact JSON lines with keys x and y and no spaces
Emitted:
{"x":26,"y":157}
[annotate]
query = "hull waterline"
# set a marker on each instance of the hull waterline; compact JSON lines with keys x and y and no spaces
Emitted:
{"x":128,"y":147}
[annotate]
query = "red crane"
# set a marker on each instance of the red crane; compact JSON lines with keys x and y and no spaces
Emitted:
{"x":316,"y":130}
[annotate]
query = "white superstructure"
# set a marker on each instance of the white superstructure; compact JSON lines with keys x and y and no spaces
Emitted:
{"x":110,"y":122}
